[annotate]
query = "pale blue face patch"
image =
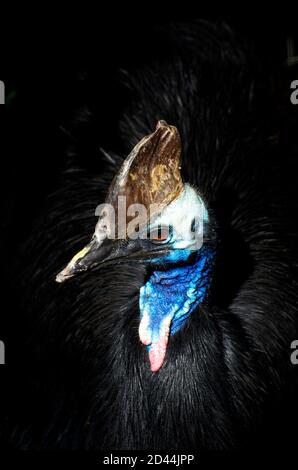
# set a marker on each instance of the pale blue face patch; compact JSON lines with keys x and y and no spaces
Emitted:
{"x":186,"y":216}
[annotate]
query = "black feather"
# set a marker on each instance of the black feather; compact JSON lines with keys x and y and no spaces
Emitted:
{"x":227,"y":381}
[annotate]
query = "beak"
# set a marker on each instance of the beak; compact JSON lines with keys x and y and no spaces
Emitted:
{"x":91,"y":255}
{"x":107,"y":252}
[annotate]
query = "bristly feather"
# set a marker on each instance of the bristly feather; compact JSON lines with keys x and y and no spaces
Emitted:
{"x":84,"y":378}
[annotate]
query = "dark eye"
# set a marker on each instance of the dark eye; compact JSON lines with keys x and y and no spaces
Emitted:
{"x":159,"y":234}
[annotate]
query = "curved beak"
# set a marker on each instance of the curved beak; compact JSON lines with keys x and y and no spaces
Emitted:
{"x":91,"y":255}
{"x":108,"y":252}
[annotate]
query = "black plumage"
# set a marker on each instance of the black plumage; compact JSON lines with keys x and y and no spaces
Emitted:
{"x":227,"y":381}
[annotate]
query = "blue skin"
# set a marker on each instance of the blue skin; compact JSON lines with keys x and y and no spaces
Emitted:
{"x":177,"y":291}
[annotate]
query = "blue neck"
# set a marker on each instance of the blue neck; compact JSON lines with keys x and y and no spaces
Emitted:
{"x":170,"y":296}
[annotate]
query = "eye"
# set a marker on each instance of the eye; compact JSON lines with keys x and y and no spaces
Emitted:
{"x":160,"y":234}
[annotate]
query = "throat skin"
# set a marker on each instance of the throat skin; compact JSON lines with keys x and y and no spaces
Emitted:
{"x":167,"y":300}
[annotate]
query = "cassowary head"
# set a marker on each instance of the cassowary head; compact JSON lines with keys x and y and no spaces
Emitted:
{"x":152,"y":216}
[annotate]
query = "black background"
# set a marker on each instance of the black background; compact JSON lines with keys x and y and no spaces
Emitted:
{"x":56,"y":68}
{"x":51,"y":73}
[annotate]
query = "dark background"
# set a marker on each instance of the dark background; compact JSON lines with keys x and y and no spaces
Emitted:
{"x":51,"y":78}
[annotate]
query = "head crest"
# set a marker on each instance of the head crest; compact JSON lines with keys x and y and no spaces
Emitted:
{"x":151,"y":172}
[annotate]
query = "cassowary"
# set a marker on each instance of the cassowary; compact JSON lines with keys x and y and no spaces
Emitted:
{"x":168,"y":238}
{"x":161,"y":342}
